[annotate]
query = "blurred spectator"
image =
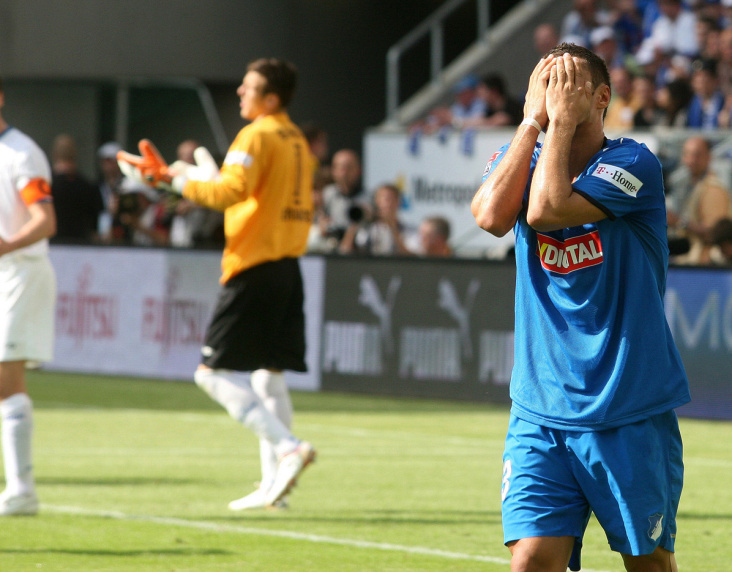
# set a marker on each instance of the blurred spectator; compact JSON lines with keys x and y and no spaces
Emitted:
{"x":192,"y":225}
{"x":708,"y":36}
{"x":142,"y":219}
{"x":674,"y":32}
{"x":708,"y":100}
{"x":604,"y":44}
{"x":724,"y":65}
{"x":583,"y":18}
{"x":434,"y":234}
{"x":109,"y":187}
{"x":622,"y":106}
{"x":467,"y":106}
{"x":321,"y":239}
{"x":711,"y":10}
{"x":344,"y":193}
{"x":628,"y":26}
{"x":726,"y":20}
{"x":724,"y":119}
{"x":545,"y":38}
{"x":648,"y":113}
{"x":385,"y":235}
{"x":721,"y":240}
{"x":673,"y":99}
{"x":317,"y":138}
{"x":696,"y":200}
{"x":501,"y":108}
{"x":77,"y":201}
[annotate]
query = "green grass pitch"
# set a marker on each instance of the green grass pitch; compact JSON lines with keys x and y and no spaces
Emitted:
{"x":136,"y":475}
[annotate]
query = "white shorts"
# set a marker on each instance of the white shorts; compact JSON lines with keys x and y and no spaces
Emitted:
{"x":27,"y":302}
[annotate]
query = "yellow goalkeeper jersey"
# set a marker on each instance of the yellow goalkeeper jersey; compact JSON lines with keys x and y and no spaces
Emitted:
{"x":265,"y":190}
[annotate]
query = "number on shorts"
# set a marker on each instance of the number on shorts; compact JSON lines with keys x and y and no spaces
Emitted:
{"x":506,"y":482}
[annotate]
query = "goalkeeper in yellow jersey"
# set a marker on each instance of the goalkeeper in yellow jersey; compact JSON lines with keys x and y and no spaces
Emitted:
{"x":258,"y":326}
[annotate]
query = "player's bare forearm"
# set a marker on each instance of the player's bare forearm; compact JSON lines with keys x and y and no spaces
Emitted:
{"x":42,"y":224}
{"x":551,"y":186}
{"x":499,"y":199}
{"x":553,"y":204}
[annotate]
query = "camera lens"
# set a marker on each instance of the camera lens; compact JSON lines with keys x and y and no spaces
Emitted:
{"x":355,"y":213}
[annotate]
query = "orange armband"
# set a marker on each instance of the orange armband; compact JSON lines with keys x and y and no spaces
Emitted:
{"x":36,"y":191}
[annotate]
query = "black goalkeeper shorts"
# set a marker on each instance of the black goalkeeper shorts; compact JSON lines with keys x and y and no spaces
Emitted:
{"x":258,"y":321}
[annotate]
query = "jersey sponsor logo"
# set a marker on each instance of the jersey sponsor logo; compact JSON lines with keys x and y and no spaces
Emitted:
{"x":618,"y":177}
{"x":572,"y":254}
{"x":239,"y":158}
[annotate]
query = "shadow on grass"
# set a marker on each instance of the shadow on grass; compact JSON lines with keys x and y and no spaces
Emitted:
{"x":79,"y":552}
{"x":385,"y":517}
{"x":57,"y":390}
{"x":702,"y":516}
{"x":114,"y":481}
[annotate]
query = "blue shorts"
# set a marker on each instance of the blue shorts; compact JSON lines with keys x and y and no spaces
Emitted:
{"x":630,"y":477}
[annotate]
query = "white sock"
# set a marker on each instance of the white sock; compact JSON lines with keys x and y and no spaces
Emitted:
{"x":232,"y":390}
{"x":17,"y":431}
{"x":272,"y":390}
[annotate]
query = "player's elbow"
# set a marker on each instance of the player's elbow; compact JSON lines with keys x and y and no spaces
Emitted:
{"x":52,"y":228}
{"x":487,"y":217}
{"x":491,"y":222}
{"x":541,"y":220}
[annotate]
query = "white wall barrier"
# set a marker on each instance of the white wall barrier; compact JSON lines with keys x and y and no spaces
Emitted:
{"x":439,"y":175}
{"x":416,"y":327}
{"x":140,"y":312}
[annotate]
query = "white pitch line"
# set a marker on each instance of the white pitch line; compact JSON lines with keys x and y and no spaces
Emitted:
{"x":214,"y":527}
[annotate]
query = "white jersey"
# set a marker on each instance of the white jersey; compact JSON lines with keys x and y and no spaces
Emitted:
{"x":21,"y":162}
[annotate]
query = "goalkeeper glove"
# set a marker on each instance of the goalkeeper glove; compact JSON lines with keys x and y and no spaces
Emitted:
{"x":148,"y":168}
{"x":205,"y":169}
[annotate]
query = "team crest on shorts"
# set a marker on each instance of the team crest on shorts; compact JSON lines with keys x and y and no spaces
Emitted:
{"x":565,"y":256}
{"x":656,"y":528}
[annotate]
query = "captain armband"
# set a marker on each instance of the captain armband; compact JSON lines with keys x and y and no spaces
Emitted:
{"x":36,"y":191}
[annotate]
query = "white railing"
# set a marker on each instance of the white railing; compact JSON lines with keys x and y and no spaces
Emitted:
{"x":434,"y":27}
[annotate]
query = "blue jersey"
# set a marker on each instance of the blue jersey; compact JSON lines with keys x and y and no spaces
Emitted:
{"x":593,"y":349}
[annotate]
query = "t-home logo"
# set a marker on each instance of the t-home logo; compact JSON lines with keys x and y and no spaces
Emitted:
{"x":620,"y":178}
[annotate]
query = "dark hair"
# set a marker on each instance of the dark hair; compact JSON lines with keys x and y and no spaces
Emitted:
{"x":392,"y":188}
{"x":441,"y":225}
{"x":1,"y":83}
{"x":680,"y":94}
{"x":312,"y":131}
{"x":711,"y":22}
{"x":495,"y":81}
{"x":598,"y":69}
{"x":281,"y":77}
{"x":721,"y":232}
{"x":708,"y":65}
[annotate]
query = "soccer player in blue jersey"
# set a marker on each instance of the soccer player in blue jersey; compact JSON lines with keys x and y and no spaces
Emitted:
{"x":597,"y":375}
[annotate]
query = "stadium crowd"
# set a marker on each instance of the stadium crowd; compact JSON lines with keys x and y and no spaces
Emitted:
{"x":346,"y":219}
{"x":670,"y":63}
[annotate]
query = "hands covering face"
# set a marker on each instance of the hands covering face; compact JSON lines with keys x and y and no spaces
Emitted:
{"x":569,"y":93}
{"x":559,"y":91}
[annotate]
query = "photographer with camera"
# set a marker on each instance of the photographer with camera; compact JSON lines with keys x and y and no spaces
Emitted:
{"x":344,"y":192}
{"x":383,"y":234}
{"x":141,"y":219}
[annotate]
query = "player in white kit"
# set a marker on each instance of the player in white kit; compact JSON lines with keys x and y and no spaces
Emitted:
{"x":27,"y":298}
